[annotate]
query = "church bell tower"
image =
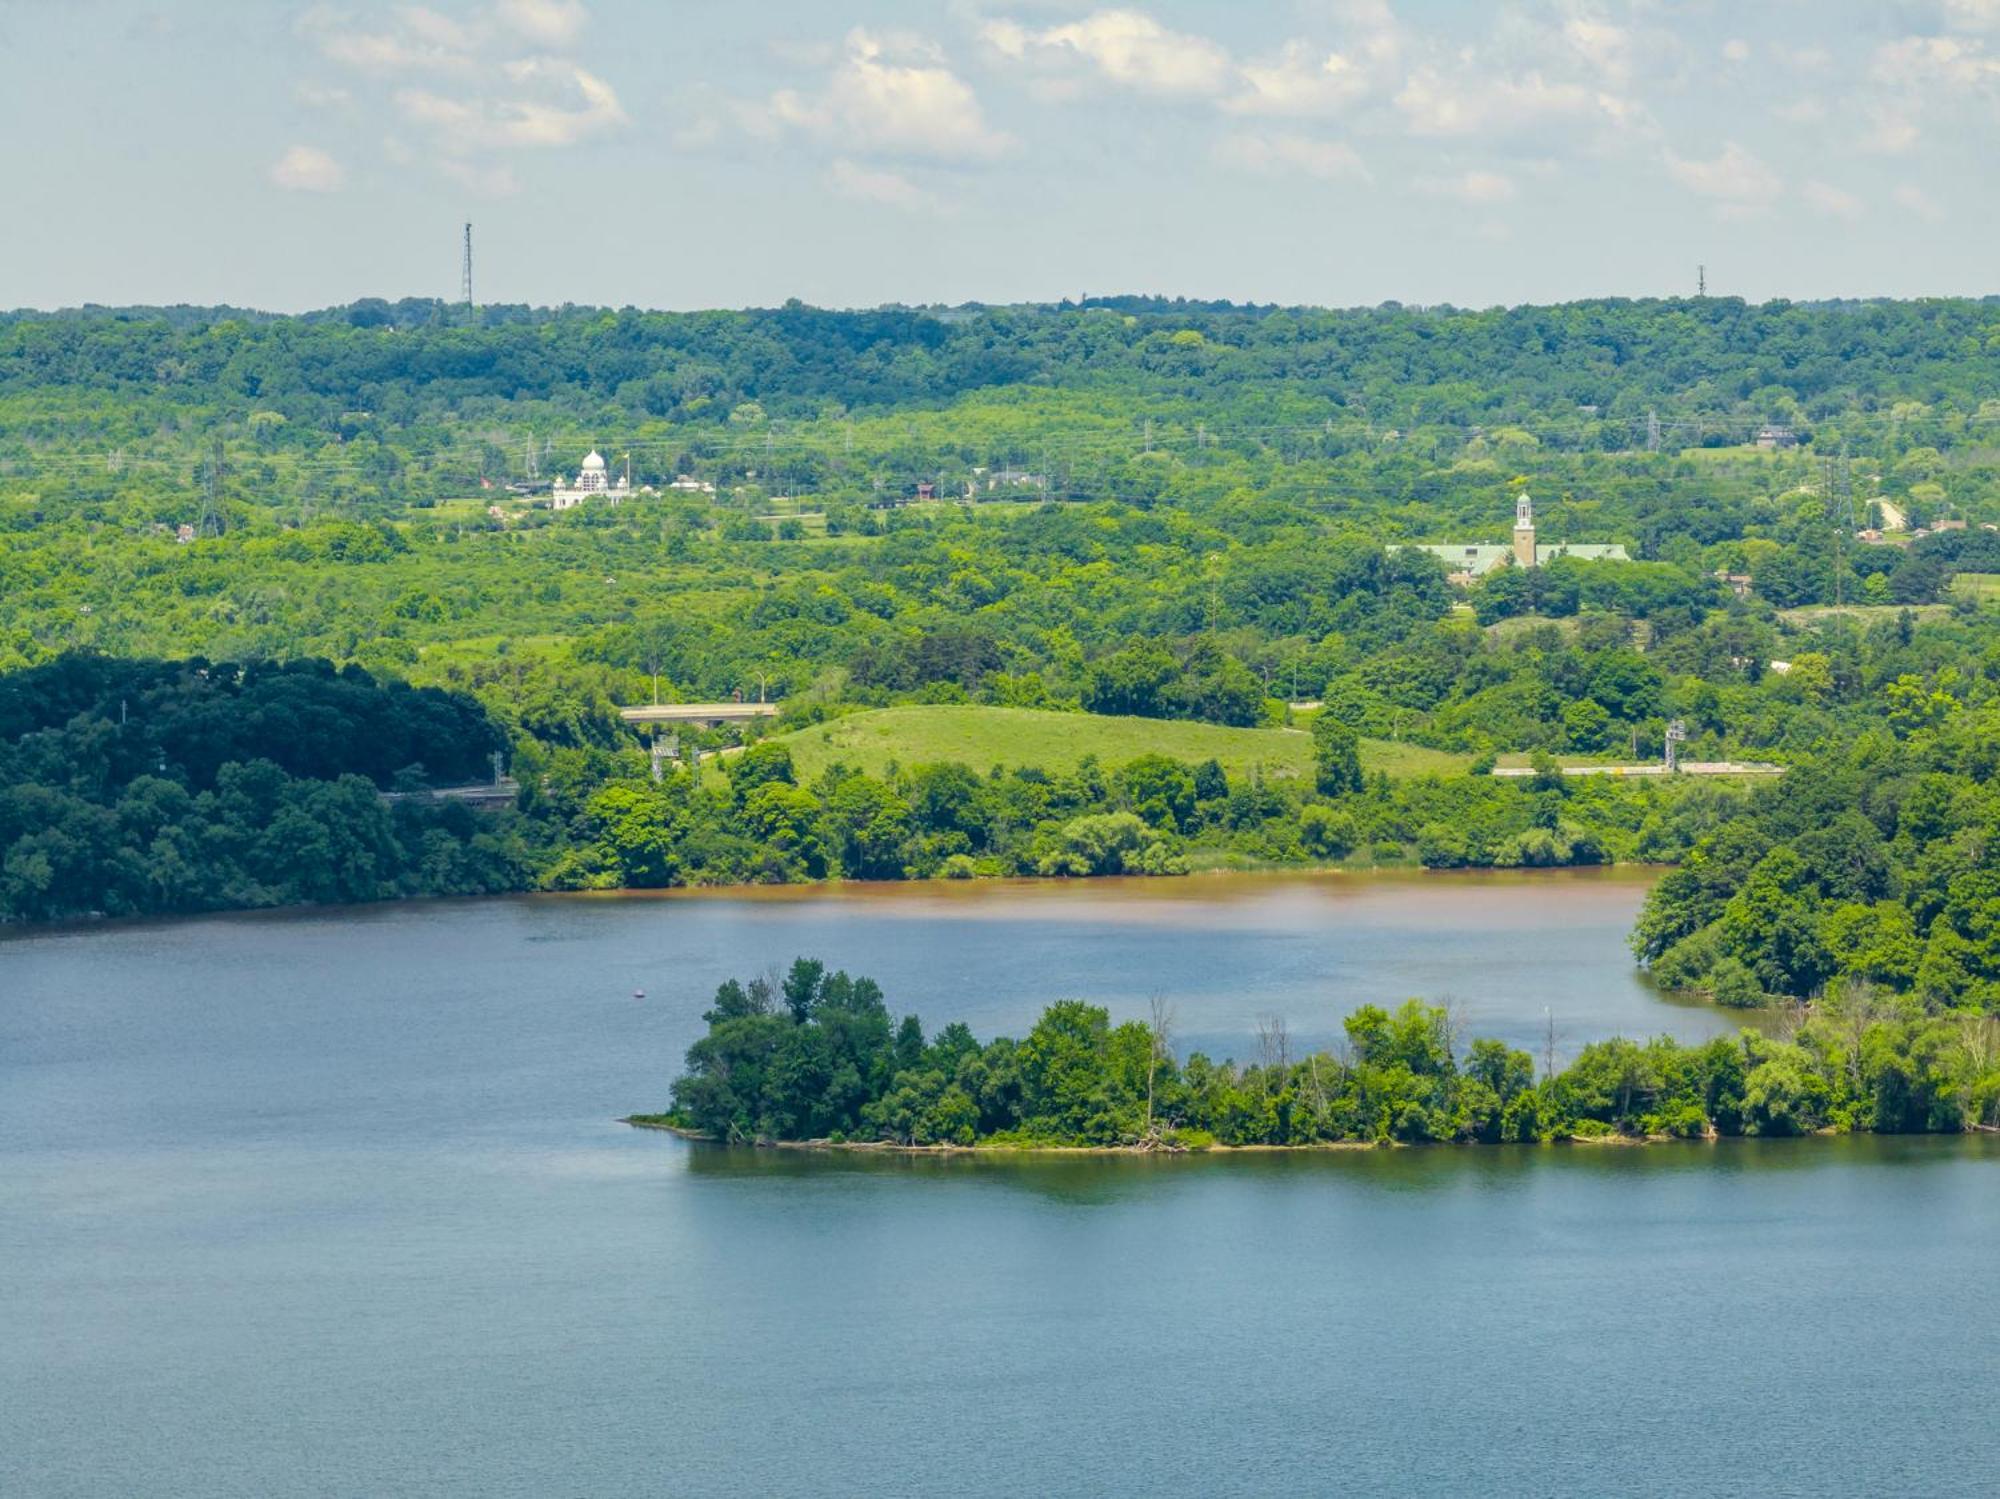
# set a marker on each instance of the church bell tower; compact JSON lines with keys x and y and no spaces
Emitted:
{"x":1524,"y":531}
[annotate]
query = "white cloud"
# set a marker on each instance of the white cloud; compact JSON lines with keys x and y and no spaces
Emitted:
{"x":1802,"y":111}
{"x":1734,"y":176}
{"x":308,"y":169}
{"x":418,"y":38}
{"x":1482,"y":189}
{"x":1736,"y":50}
{"x":552,"y":104}
{"x":1834,"y":202}
{"x":1128,"y":47}
{"x":1913,"y":198}
{"x":1919,"y":62}
{"x":875,"y":185}
{"x":546,"y":23}
{"x":1889,"y":132}
{"x":421,"y":40}
{"x":1605,"y":48}
{"x":1301,"y":81}
{"x":1463,"y":103}
{"x":481,"y":101}
{"x":320,"y":96}
{"x":887,"y":96}
{"x":1286,"y":154}
{"x":1973,"y":15}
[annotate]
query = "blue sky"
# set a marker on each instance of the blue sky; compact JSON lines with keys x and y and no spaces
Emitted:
{"x":697,"y":153}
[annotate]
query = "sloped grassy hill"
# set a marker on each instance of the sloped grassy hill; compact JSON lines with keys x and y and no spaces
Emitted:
{"x":985,"y":737}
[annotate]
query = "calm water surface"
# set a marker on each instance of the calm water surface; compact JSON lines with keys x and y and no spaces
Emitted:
{"x":333,"y":1204}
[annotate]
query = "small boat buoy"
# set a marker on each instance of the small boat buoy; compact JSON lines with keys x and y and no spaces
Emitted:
{"x":638,"y":993}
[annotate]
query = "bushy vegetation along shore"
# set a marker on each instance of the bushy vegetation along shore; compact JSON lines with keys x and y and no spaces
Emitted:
{"x":816,"y":1056}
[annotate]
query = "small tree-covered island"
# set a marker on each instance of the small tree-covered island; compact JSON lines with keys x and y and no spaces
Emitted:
{"x":815,"y":1058}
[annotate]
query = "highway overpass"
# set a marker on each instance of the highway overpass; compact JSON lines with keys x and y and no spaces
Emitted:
{"x":699,"y":712}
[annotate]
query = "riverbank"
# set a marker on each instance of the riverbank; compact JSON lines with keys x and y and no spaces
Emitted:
{"x":988,"y":1147}
{"x":1201,"y":883}
{"x":1216,"y":1147}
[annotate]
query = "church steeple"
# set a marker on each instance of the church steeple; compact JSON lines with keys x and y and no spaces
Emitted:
{"x":1524,"y":531}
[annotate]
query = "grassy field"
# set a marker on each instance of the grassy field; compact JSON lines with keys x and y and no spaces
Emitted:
{"x":985,"y":737}
{"x":1809,"y":614}
{"x":1982,"y":588}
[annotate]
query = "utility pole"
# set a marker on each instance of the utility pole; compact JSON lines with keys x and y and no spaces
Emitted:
{"x":1836,"y":516}
{"x":1652,"y":431}
{"x":465,"y":273}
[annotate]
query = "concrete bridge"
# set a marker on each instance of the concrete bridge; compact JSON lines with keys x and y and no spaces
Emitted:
{"x":699,"y":712}
{"x":499,"y":793}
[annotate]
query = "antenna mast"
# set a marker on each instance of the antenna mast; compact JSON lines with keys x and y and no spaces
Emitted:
{"x":1700,"y":271}
{"x":465,"y":274}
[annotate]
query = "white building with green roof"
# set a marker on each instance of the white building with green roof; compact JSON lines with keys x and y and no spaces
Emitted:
{"x":1469,"y":560}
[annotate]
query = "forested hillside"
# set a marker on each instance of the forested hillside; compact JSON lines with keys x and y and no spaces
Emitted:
{"x":1130,"y":508}
{"x":137,"y":787}
{"x":1717,"y":358}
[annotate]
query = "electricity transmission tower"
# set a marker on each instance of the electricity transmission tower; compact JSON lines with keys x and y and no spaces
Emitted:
{"x":210,"y":523}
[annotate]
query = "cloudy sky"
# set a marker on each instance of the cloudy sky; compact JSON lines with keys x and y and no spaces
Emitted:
{"x":692,"y":153}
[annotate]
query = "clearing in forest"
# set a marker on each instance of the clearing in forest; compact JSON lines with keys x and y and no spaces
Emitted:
{"x":984,"y":737}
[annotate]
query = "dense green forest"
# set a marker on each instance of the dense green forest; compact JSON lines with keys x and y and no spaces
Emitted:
{"x":1878,"y":866}
{"x":137,"y":787}
{"x":816,"y":1056}
{"x":1127,"y":507}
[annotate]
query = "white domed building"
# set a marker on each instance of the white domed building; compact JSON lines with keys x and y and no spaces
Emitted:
{"x":592,"y":483}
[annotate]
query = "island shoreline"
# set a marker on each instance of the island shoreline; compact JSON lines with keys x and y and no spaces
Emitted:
{"x":891,"y":1147}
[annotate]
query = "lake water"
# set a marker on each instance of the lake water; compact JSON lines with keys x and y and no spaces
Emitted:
{"x":335,"y":1204}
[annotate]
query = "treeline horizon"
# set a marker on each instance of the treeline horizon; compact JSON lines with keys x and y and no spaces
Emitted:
{"x":410,"y":307}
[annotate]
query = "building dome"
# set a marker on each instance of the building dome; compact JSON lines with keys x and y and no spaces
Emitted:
{"x":594,"y":464}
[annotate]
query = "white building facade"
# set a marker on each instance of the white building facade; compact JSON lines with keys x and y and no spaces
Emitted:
{"x":592,"y":483}
{"x":1468,"y":561}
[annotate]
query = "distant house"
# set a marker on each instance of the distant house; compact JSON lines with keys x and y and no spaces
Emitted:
{"x":1011,"y":478}
{"x":1736,"y":583}
{"x":1469,"y":560}
{"x":688,"y":484}
{"x":1772,"y":437}
{"x":927,"y":491}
